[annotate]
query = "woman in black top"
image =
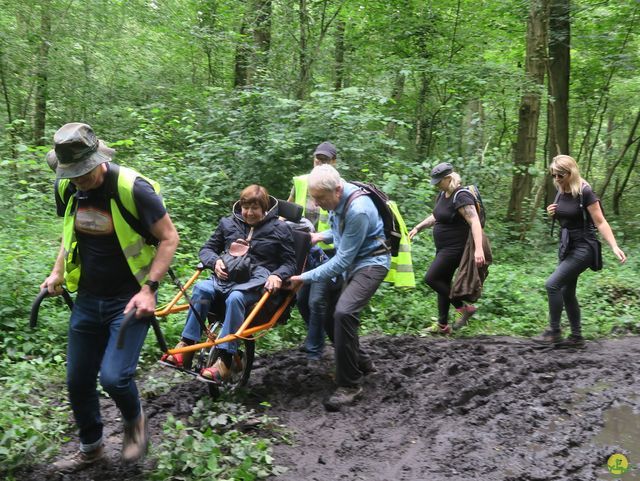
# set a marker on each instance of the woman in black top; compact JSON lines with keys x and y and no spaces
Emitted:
{"x":577,"y":209}
{"x":453,"y":215}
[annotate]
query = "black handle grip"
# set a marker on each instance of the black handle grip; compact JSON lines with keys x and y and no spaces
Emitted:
{"x":128,"y":318}
{"x":35,"y":307}
{"x":131,"y":317}
{"x":158,"y":332}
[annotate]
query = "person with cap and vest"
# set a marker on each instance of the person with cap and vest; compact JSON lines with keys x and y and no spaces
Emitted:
{"x":452,"y":218}
{"x":363,"y":262}
{"x":117,"y":244}
{"x":315,"y":301}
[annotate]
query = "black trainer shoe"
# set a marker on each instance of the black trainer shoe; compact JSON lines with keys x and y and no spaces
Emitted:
{"x":548,"y":338}
{"x":575,"y":341}
{"x":78,"y":461}
{"x":342,"y":397}
{"x":367,"y":367}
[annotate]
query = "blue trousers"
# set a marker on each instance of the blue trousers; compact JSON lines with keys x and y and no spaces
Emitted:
{"x":561,"y":286}
{"x":313,"y":304}
{"x":204,"y":296}
{"x":93,"y":333}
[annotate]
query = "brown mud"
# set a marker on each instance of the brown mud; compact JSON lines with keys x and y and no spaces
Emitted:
{"x":484,"y":408}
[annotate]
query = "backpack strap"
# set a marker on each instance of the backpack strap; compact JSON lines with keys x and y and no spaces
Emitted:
{"x":353,"y":196}
{"x":111,"y":184}
{"x":555,"y":201}
{"x":385,"y":249}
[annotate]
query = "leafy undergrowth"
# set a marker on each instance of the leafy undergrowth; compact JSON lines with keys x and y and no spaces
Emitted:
{"x":214,"y":443}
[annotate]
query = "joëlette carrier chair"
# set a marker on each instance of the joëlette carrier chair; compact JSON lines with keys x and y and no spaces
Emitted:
{"x":265,"y":314}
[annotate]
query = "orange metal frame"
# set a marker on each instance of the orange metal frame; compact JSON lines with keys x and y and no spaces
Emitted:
{"x":243,"y":332}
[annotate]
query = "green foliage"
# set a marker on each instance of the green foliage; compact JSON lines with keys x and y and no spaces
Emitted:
{"x":213,"y":443}
{"x":33,"y":414}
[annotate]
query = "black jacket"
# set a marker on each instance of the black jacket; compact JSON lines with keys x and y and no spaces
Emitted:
{"x":271,"y":243}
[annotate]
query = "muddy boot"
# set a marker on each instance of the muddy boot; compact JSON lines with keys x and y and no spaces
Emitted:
{"x":465,"y":313}
{"x":136,"y":439}
{"x":548,"y":337}
{"x":575,"y":341}
{"x":78,"y":461}
{"x":367,"y":367}
{"x":342,"y":397}
{"x":439,"y":330}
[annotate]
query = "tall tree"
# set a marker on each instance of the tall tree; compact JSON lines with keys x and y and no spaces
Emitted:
{"x":558,"y":83}
{"x":529,"y":110}
{"x":42,"y":74}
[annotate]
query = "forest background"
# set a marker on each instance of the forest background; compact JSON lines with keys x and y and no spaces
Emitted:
{"x":207,"y":97}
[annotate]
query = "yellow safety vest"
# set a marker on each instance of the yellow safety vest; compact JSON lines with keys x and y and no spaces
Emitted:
{"x":138,"y":253}
{"x":300,"y":184}
{"x":401,"y":270}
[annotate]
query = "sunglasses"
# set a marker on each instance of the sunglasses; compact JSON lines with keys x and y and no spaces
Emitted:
{"x":559,"y":175}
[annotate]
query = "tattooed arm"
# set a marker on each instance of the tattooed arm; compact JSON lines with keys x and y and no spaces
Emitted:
{"x":471,"y":216}
{"x":426,"y":223}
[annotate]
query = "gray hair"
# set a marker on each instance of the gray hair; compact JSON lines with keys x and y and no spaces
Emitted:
{"x":324,"y":177}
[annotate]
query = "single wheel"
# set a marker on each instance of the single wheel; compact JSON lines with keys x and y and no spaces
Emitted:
{"x":239,"y":375}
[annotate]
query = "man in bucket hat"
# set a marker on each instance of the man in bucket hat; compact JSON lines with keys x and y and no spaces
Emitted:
{"x":117,"y":243}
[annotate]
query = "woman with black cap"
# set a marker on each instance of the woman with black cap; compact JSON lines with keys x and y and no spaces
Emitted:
{"x":452,"y":217}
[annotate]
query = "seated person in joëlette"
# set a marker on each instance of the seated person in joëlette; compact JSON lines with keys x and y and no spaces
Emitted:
{"x":271,"y":251}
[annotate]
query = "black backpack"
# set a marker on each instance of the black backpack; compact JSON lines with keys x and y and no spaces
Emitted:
{"x":475,"y":193}
{"x":381,"y":200}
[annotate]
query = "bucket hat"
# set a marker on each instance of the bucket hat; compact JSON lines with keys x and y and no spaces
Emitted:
{"x":77,"y":151}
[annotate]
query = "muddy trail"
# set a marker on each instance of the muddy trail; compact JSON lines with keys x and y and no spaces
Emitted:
{"x":487,"y":408}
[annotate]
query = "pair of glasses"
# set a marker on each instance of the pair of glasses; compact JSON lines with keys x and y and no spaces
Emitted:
{"x":558,"y":175}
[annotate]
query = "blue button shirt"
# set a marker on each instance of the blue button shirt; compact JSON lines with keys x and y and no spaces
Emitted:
{"x":363,"y":234}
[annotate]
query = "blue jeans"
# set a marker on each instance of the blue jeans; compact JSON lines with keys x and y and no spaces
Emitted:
{"x":561,"y":286}
{"x":313,"y":304}
{"x":236,"y":302}
{"x":93,"y":334}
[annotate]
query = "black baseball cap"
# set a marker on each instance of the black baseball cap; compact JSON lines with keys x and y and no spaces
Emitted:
{"x":440,"y":171}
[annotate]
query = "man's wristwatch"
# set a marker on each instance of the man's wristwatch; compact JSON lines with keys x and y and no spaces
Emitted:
{"x":153,"y":285}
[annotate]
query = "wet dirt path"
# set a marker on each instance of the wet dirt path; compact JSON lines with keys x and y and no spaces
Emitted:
{"x":487,"y":408}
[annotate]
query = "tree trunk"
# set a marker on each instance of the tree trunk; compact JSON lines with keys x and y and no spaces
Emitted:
{"x":529,"y":111}
{"x":396,"y":95}
{"x":304,"y":64}
{"x":261,"y":39}
{"x":5,"y":88}
{"x":422,"y":128}
{"x":41,"y":75}
{"x":241,"y":77}
{"x":620,"y":188}
{"x":630,"y":141}
{"x":558,"y":84}
{"x":339,"y":56}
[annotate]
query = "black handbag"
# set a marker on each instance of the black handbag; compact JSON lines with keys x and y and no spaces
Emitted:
{"x":236,"y":260}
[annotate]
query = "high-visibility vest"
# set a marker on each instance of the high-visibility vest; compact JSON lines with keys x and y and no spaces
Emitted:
{"x":401,"y":270}
{"x":300,"y":184}
{"x":138,"y":253}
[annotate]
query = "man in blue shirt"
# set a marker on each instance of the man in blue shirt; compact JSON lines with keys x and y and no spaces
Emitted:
{"x":357,"y":232}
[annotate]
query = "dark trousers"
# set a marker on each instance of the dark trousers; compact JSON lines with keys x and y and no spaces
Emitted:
{"x":439,"y":277}
{"x":561,"y":286}
{"x":93,"y":332}
{"x":355,"y":295}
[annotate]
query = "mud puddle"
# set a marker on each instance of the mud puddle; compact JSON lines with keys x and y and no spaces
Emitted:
{"x":486,"y":408}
